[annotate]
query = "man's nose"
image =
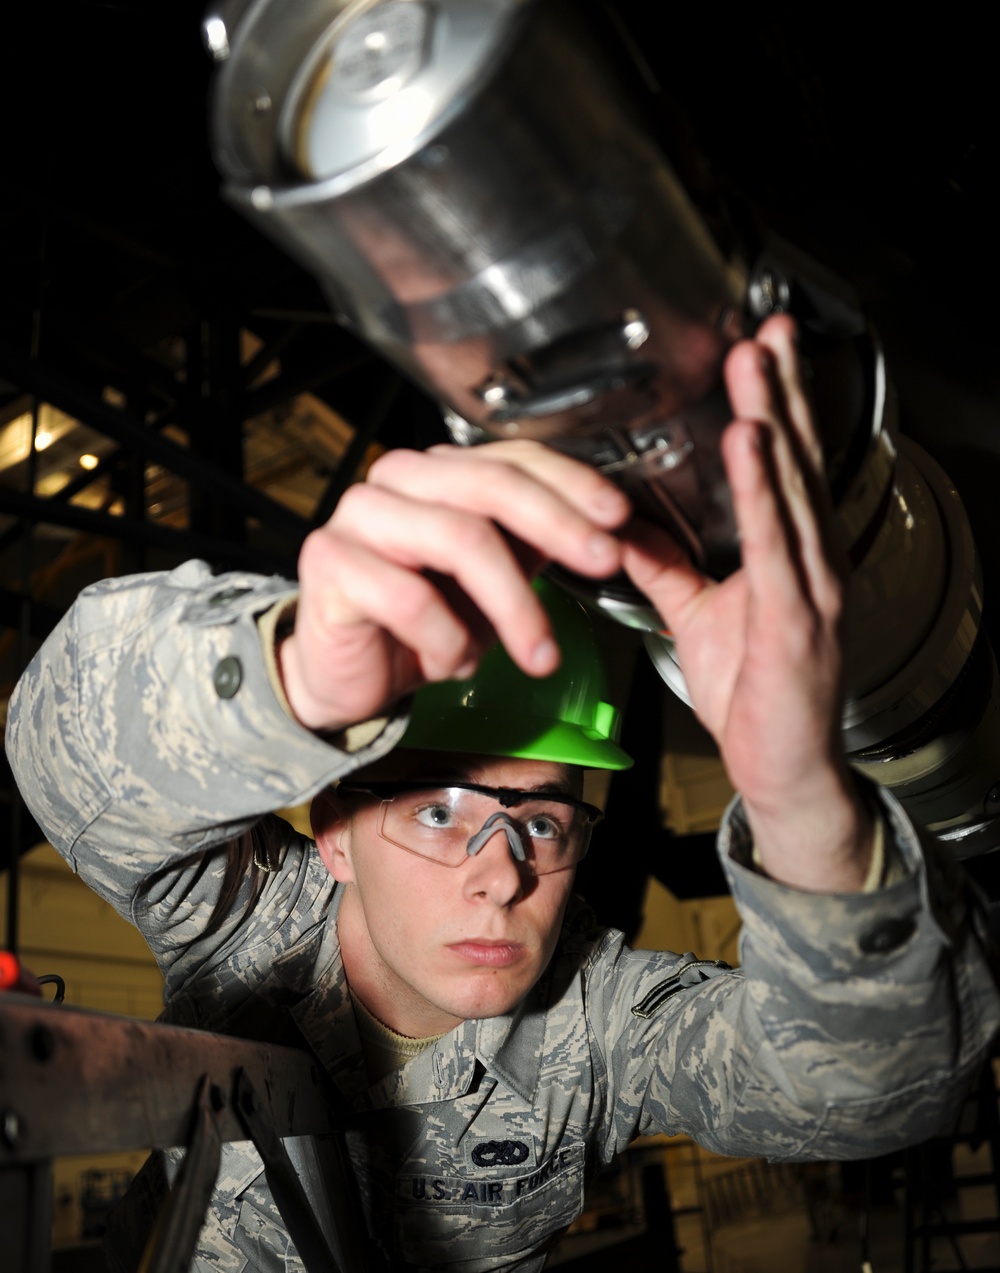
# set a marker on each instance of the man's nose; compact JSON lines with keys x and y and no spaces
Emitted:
{"x":496,"y":871}
{"x":493,"y":824}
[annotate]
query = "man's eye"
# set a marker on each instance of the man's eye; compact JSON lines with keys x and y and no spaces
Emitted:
{"x":436,"y":816}
{"x":541,"y":827}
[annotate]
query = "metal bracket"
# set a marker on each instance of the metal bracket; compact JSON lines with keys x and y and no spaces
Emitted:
{"x":303,"y":1226}
{"x":171,"y":1245}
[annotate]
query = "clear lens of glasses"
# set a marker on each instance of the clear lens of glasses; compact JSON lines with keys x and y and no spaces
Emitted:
{"x":440,"y":824}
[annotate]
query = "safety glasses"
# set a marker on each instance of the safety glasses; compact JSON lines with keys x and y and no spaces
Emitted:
{"x":449,"y":824}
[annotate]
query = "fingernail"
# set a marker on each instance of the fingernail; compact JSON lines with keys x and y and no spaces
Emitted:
{"x":601,"y":546}
{"x":609,"y":501}
{"x":465,"y":671}
{"x":545,"y":656}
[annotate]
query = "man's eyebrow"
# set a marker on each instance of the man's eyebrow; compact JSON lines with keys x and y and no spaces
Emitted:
{"x":551,"y":788}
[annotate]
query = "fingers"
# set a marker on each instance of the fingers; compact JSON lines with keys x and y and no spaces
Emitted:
{"x":368,"y":631}
{"x":415,"y":538}
{"x":594,"y":495}
{"x":791,"y":501}
{"x":437,"y":550}
{"x":769,"y":544}
{"x":778,"y":336}
{"x":354,"y":588}
{"x":663,"y":572}
{"x":788,"y":573}
{"x":531,"y":489}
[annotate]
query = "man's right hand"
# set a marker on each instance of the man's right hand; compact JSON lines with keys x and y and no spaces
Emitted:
{"x":427,"y":562}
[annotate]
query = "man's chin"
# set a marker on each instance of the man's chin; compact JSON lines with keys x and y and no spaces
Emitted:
{"x":481,"y":1003}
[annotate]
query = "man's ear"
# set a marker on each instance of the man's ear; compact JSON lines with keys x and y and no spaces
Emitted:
{"x":331,"y":828}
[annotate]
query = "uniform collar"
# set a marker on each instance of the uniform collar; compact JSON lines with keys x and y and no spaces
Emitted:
{"x":512,"y":1046}
{"x":314,"y":972}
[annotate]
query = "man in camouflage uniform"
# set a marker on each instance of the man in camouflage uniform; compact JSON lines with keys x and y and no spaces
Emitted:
{"x":494,"y":1050}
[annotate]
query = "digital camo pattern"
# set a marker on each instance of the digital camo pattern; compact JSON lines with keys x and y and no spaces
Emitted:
{"x":475,"y":1154}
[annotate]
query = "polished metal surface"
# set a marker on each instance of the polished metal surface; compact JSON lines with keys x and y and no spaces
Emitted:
{"x":385,"y":76}
{"x":931,"y":563}
{"x":944,"y":769}
{"x":481,"y":202}
{"x":898,"y":587}
{"x":860,"y":505}
{"x":342,"y":89}
{"x":479,"y":193}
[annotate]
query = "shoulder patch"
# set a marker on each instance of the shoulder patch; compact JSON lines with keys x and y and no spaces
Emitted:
{"x":690,"y":974}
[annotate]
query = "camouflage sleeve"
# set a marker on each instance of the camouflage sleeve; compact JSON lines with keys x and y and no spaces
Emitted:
{"x":854,"y":1025}
{"x":146,"y":729}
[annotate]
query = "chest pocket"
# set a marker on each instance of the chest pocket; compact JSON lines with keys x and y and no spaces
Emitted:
{"x":442,"y":1220}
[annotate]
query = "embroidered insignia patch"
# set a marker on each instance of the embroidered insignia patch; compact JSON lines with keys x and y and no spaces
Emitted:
{"x":500,"y":1153}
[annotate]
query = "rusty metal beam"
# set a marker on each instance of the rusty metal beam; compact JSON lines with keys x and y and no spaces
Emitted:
{"x":73,"y":1082}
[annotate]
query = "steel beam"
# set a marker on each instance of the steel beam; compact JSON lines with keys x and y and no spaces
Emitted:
{"x":186,"y":544}
{"x":52,"y":386}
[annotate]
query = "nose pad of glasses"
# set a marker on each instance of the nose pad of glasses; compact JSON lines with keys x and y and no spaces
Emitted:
{"x":494,"y":823}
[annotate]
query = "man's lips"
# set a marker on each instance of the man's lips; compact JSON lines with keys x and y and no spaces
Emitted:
{"x":490,"y":954}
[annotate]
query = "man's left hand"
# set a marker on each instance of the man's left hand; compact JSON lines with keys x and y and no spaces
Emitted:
{"x":760,"y":651}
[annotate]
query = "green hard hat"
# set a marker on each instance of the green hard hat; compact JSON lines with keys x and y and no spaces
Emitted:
{"x":501,"y":711}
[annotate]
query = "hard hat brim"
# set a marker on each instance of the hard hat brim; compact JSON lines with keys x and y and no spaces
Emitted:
{"x":494,"y":733}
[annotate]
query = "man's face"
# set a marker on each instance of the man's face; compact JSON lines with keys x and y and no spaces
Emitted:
{"x":426,"y":946}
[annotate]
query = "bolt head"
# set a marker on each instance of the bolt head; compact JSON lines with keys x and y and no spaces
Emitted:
{"x":635,"y":329}
{"x":768,"y":293}
{"x":216,"y":38}
{"x":10,"y":1128}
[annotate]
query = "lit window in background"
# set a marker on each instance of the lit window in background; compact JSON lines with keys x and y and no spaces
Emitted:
{"x":50,"y":484}
{"x":56,"y":432}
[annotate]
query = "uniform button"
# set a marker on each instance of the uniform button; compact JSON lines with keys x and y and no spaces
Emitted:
{"x":886,"y":936}
{"x":228,"y":676}
{"x":226,"y":595}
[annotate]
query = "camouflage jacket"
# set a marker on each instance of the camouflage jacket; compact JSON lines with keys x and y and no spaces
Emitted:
{"x":146,"y":734}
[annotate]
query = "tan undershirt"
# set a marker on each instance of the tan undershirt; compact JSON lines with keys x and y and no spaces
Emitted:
{"x":384,"y":1049}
